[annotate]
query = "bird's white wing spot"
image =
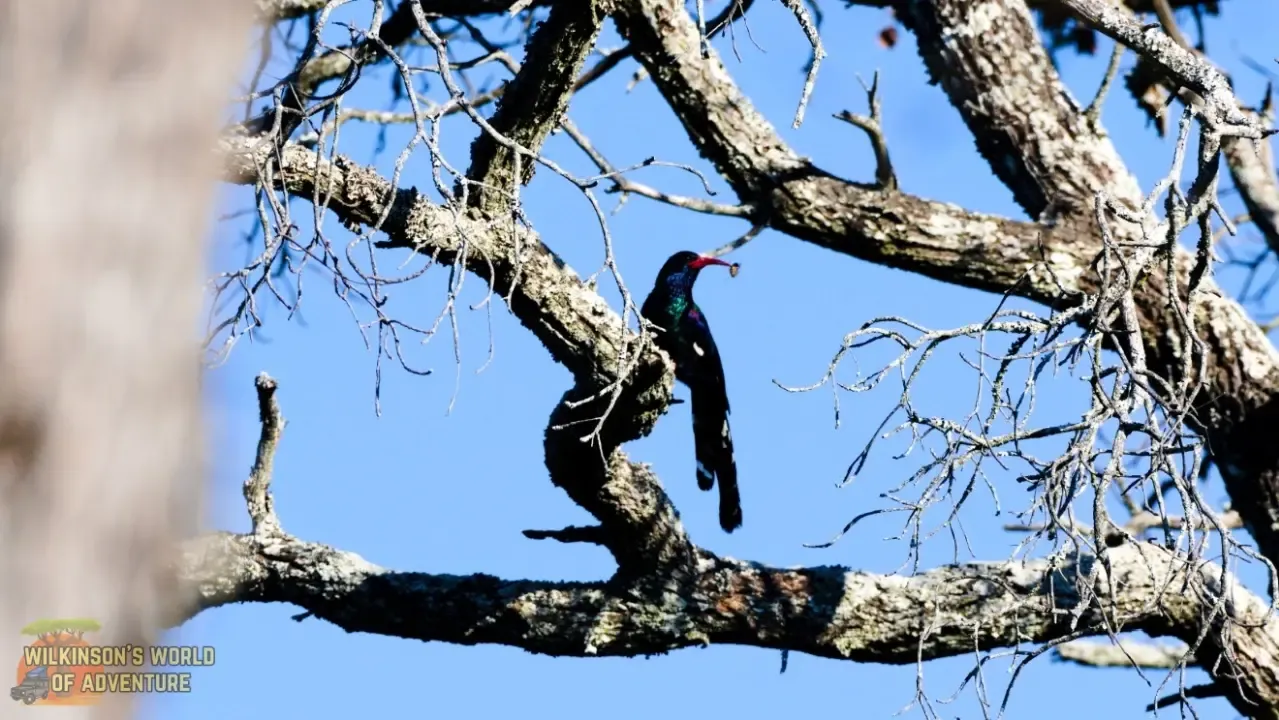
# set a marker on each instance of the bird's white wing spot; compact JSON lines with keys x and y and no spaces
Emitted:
{"x":698,"y":349}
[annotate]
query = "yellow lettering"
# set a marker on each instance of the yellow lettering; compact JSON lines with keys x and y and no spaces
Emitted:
{"x":77,"y":655}
{"x":112,"y":656}
{"x":138,"y":656}
{"x":35,"y":656}
{"x":125,"y":682}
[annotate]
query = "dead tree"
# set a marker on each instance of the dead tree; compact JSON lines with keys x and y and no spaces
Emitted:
{"x":1178,"y":373}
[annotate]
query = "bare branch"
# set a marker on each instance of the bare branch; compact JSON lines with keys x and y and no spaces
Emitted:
{"x":1001,"y":80}
{"x":593,"y":534}
{"x":626,"y":186}
{"x":819,"y":53}
{"x":1196,"y":691}
{"x":1093,"y":111}
{"x":257,"y":489}
{"x":1145,"y":520}
{"x":873,"y":127}
{"x":825,"y":611}
{"x":1252,"y":167}
{"x":1125,"y":653}
{"x":299,"y":89}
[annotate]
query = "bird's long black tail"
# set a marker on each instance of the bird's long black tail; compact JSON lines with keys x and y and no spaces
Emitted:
{"x":713,"y":444}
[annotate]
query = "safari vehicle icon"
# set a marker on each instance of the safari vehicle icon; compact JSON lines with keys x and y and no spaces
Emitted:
{"x":34,"y":686}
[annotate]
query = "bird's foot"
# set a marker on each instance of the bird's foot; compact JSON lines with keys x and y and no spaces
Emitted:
{"x":677,"y":401}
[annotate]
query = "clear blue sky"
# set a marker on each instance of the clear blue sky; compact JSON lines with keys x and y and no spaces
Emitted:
{"x":417,"y":489}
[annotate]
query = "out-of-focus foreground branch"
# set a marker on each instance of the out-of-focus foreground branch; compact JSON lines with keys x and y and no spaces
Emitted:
{"x":106,"y":186}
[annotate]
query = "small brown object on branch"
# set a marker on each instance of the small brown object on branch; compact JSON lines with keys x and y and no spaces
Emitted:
{"x":888,"y":37}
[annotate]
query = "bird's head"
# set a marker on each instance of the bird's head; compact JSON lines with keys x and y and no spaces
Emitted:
{"x":689,"y":264}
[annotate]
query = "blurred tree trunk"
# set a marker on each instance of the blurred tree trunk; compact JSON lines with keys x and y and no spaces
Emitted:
{"x":106,"y":189}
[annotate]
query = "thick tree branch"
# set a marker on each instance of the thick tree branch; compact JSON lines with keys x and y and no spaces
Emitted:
{"x":533,"y":102}
{"x":825,"y":611}
{"x":996,"y":73}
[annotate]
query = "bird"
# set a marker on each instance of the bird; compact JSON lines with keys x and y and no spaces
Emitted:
{"x":685,"y":335}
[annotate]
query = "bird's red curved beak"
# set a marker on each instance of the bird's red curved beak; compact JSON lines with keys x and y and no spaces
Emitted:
{"x":702,"y":261}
